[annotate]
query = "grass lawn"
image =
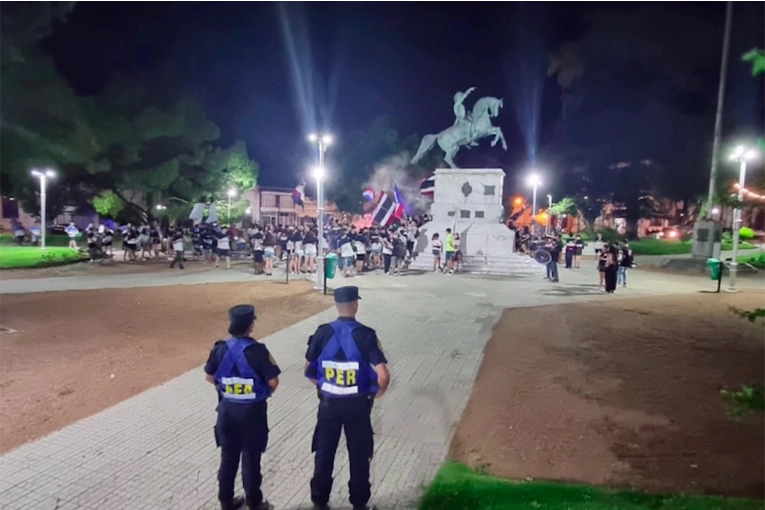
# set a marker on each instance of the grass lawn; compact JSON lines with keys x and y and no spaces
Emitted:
{"x":50,"y":240}
{"x":757,"y":260}
{"x":14,"y":257}
{"x":651,"y":246}
{"x":456,"y":487}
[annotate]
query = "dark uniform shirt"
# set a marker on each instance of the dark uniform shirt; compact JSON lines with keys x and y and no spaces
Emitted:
{"x":365,"y":338}
{"x":257,"y":356}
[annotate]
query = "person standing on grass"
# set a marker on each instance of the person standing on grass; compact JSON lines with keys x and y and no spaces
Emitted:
{"x":72,"y":232}
{"x":245,"y":375}
{"x":18,"y":232}
{"x":345,"y":362}
{"x":178,"y":248}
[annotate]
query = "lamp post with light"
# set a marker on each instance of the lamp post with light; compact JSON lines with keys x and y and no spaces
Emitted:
{"x":43,"y":175}
{"x":322,"y":141}
{"x":534,"y":182}
{"x":549,"y":214}
{"x":741,"y":154}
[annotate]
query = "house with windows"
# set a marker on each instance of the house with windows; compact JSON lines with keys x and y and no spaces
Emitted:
{"x":275,"y":206}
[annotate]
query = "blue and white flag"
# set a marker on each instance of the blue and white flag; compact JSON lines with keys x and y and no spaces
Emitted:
{"x":428,"y":186}
{"x":213,"y":216}
{"x":298,"y":195}
{"x":385,"y":210}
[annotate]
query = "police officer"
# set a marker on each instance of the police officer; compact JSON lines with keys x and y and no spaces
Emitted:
{"x":245,"y":375}
{"x":346,"y":363}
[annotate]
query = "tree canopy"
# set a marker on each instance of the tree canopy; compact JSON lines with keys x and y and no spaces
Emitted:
{"x":124,"y":151}
{"x":635,"y":109}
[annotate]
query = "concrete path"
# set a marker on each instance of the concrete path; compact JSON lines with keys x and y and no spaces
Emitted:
{"x":156,"y":450}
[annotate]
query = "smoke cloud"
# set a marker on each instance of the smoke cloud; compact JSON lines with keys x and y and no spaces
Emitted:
{"x":392,"y":170}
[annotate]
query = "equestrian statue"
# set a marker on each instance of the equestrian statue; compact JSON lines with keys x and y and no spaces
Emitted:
{"x":468,"y":128}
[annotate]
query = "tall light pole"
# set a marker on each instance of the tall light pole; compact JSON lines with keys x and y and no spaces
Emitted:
{"x":534,"y":182}
{"x":231,"y":194}
{"x":43,"y":175}
{"x":742,"y":155}
{"x":322,"y":141}
{"x":720,"y":106}
{"x":549,"y":214}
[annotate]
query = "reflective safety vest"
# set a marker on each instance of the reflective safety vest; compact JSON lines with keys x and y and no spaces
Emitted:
{"x":349,"y":378}
{"x":242,"y":386}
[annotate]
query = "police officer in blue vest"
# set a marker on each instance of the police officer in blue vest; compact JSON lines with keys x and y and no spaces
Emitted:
{"x":245,"y":375}
{"x":346,"y":363}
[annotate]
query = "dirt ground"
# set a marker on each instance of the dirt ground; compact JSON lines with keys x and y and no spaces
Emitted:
{"x":622,"y":392}
{"x":112,"y":267}
{"x":55,"y":367}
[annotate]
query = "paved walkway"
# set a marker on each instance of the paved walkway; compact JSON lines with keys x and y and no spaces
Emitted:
{"x":156,"y":450}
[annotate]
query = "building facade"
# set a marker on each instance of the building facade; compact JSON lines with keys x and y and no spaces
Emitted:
{"x":275,"y":206}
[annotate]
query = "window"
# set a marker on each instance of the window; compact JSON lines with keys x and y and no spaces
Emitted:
{"x":268,"y":200}
{"x":479,"y":214}
{"x":464,"y":214}
{"x":488,"y":190}
{"x":450,"y":213}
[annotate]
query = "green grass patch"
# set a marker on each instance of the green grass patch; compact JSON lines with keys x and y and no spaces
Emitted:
{"x":456,"y":487}
{"x":653,"y":246}
{"x":14,"y":257}
{"x":50,"y":240}
{"x":757,"y":260}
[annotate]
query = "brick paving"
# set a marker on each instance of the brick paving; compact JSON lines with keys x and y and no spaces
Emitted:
{"x":156,"y":449}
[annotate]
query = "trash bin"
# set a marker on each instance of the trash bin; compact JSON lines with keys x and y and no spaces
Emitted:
{"x":714,"y":266}
{"x":331,"y":265}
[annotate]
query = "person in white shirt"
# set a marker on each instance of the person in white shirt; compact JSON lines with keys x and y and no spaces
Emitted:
{"x":436,"y":246}
{"x":224,"y":249}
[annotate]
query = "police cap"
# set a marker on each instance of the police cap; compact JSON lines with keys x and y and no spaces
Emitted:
{"x":347,"y":294}
{"x":241,"y":316}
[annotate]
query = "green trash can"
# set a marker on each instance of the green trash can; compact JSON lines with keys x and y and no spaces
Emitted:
{"x":714,"y":266}
{"x":331,"y":265}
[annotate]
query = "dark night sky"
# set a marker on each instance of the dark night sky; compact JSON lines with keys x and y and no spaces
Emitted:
{"x":357,"y":60}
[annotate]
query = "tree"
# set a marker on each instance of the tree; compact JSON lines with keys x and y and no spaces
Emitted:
{"x":566,"y":205}
{"x":757,"y":58}
{"x":108,"y":204}
{"x":642,"y":106}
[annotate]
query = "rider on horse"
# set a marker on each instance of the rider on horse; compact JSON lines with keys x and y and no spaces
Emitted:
{"x":462,"y":115}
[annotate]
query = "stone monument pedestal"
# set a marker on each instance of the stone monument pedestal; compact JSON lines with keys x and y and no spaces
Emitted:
{"x":469,"y":201}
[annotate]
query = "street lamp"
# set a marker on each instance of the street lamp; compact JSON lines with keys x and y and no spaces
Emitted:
{"x":231,"y":194}
{"x":322,"y":141}
{"x":161,"y":207}
{"x":741,"y":154}
{"x":43,"y":175}
{"x":534,"y":181}
{"x":549,"y":214}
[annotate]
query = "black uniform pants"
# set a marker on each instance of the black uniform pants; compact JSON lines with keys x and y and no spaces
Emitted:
{"x":569,"y":258}
{"x":354,"y":415}
{"x":241,"y":431}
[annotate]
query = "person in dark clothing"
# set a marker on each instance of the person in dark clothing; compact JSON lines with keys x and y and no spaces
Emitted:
{"x":178,"y":248}
{"x":245,"y":375}
{"x":612,"y":267}
{"x":570,"y":250}
{"x":554,"y":246}
{"x":346,"y":363}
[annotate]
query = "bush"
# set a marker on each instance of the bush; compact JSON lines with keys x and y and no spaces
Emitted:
{"x":653,"y":246}
{"x":757,"y":261}
{"x":746,"y":233}
{"x":609,"y":234}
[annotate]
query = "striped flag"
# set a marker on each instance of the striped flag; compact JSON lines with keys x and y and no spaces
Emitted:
{"x":402,"y":207}
{"x":384,"y":211}
{"x":428,"y":186}
{"x":368,"y":194}
{"x":298,"y":195}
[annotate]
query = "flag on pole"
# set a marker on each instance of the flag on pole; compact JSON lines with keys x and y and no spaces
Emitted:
{"x":402,"y":207}
{"x":428,"y":186}
{"x":368,"y":194}
{"x":197,"y":212}
{"x":383,"y":213}
{"x":213,"y":216}
{"x":298,"y":196}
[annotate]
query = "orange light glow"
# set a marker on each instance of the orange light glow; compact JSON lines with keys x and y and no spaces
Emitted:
{"x":517,"y":201}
